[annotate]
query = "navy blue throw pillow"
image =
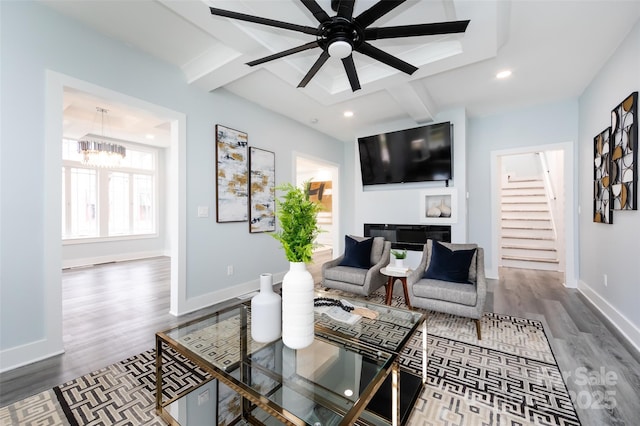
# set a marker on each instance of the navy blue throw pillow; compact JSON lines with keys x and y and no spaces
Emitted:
{"x":357,"y":254}
{"x":449,"y":265}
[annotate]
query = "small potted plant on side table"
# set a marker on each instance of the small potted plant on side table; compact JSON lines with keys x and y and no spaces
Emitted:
{"x":399,"y":256}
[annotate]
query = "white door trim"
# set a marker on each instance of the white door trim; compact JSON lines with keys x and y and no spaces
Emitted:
{"x":570,"y":210}
{"x":52,"y":343}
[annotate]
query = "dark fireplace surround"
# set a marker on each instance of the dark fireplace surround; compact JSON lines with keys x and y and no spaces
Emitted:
{"x":410,"y":237}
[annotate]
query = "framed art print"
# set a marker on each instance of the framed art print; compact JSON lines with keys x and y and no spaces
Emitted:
{"x":262,"y":190}
{"x":232,"y":175}
{"x":321,"y":192}
{"x":624,"y":154}
{"x":602,"y":199}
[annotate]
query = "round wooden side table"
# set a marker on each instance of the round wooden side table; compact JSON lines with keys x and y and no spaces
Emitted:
{"x":392,"y":277}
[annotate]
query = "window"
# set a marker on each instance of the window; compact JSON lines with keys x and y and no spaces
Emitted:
{"x":108,"y":202}
{"x":118,"y":203}
{"x":83,"y":202}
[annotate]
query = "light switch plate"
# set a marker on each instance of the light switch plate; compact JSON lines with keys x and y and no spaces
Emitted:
{"x":203,"y":211}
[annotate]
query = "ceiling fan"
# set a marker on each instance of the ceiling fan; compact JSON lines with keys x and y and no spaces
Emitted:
{"x":338,"y":36}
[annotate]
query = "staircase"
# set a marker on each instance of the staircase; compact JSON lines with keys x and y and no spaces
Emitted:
{"x":528,"y":237}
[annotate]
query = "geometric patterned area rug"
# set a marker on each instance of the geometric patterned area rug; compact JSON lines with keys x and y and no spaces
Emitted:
{"x":510,"y":377}
{"x":495,"y":383}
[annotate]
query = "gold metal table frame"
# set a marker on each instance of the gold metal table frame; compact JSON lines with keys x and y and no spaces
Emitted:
{"x":346,"y":340}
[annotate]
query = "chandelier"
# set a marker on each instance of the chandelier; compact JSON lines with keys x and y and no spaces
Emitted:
{"x":97,"y":151}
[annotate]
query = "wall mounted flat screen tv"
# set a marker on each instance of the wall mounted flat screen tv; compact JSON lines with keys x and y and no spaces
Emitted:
{"x":413,"y":155}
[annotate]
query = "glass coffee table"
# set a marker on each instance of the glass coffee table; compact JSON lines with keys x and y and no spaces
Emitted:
{"x":350,"y":374}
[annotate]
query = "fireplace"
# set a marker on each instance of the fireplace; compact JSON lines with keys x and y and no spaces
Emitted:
{"x":410,"y":237}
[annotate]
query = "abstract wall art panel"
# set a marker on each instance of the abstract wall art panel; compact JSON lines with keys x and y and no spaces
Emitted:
{"x":624,"y":154}
{"x":232,"y":176}
{"x":602,"y":208}
{"x":320,"y":192}
{"x":262,"y":190}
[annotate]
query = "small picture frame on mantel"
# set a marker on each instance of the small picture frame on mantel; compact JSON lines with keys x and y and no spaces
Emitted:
{"x":439,"y":206}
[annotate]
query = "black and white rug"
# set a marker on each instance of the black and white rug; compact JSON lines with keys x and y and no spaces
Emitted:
{"x":510,"y":377}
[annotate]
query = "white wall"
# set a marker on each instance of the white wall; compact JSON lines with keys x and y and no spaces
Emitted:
{"x":522,"y":166}
{"x":36,"y":39}
{"x":609,"y":249}
{"x":400,"y":203}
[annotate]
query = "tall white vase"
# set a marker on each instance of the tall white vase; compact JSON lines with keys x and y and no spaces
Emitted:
{"x":266,"y":312}
{"x":297,"y":306}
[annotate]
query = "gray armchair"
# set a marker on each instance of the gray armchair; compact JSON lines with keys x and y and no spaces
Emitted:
{"x":357,"y":280}
{"x":462,"y":299}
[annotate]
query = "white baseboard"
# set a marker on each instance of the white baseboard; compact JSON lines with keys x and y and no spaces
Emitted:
{"x":491,"y":274}
{"x":15,"y":357}
{"x":116,"y":257}
{"x":209,"y":299}
{"x":619,"y":321}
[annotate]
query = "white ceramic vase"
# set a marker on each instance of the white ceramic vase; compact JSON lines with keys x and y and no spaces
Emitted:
{"x":297,"y":306}
{"x":266,"y":312}
{"x":433,"y":212}
{"x":445,"y":210}
{"x":398,"y":263}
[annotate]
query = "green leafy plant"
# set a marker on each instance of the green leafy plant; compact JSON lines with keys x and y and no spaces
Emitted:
{"x":399,"y":254}
{"x":298,"y":223}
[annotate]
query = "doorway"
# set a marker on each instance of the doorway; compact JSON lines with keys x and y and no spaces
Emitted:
{"x":174,"y":226}
{"x":324,"y":179}
{"x":533,"y":224}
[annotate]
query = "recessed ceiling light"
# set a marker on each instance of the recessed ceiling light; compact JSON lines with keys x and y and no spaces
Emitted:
{"x":348,"y":114}
{"x":314,"y":120}
{"x":503,"y":74}
{"x":150,"y":136}
{"x":348,"y":392}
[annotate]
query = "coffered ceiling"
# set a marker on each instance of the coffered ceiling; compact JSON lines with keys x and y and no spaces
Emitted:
{"x":554,"y":49}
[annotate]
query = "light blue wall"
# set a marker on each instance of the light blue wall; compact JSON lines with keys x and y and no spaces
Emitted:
{"x":541,"y":125}
{"x":35,"y":39}
{"x":610,"y":249}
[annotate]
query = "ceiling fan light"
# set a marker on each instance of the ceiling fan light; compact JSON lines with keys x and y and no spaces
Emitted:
{"x":340,"y":49}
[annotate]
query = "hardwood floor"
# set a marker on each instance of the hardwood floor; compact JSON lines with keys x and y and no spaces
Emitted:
{"x":600,"y":370}
{"x":112,"y":311}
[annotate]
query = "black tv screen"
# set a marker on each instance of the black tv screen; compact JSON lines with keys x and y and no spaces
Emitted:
{"x":412,"y":155}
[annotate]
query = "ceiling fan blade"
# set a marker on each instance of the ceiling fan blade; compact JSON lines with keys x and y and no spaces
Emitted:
{"x":375,"y":53}
{"x":376,"y":11}
{"x":416,"y":30}
{"x":263,"y":21}
{"x":350,"y":69}
{"x":345,"y":9}
{"x":284,"y":53}
{"x":317,"y":11}
{"x":314,"y":69}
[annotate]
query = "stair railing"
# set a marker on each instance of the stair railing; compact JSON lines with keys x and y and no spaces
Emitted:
{"x":546,"y":175}
{"x":548,"y":184}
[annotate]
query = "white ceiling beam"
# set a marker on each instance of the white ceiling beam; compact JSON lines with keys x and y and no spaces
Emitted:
{"x":210,"y":74}
{"x":413,"y":98}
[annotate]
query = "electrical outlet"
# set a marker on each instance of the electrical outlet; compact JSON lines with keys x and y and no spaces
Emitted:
{"x":606,"y":283}
{"x":229,"y":269}
{"x":203,"y":397}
